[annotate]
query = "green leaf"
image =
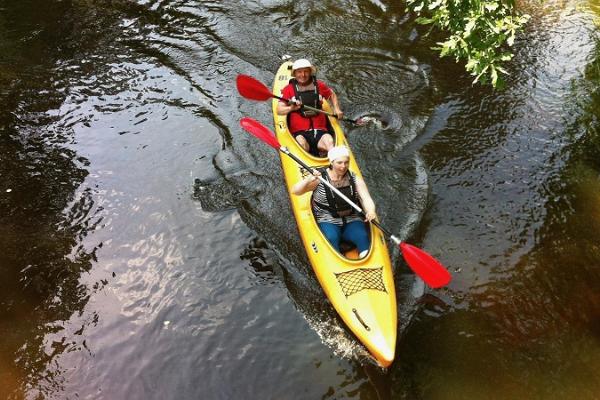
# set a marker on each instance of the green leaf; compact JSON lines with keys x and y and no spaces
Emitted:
{"x":447,"y":47}
{"x":511,"y":39}
{"x":469,"y":27}
{"x":424,"y":21}
{"x":491,"y":6}
{"x":494,"y":75}
{"x":480,"y":74}
{"x":435,"y":4}
{"x":472,"y":64}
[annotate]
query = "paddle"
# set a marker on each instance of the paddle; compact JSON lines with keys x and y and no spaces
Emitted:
{"x":253,"y":89}
{"x":424,"y":265}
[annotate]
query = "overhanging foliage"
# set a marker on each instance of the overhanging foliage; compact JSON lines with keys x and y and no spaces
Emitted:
{"x":480,"y":32}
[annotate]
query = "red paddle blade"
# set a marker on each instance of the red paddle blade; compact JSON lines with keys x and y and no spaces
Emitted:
{"x":428,"y":268}
{"x":252,"y":89}
{"x":260,"y":131}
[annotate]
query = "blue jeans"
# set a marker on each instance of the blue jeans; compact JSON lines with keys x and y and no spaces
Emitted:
{"x":355,"y":232}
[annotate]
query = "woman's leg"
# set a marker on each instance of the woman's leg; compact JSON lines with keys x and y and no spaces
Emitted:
{"x":356,"y":232}
{"x":333,"y":233}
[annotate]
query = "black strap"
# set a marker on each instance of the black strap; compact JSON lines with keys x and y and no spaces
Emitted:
{"x":317,"y":104}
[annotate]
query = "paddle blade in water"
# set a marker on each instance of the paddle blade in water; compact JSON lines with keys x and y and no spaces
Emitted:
{"x":252,"y":89}
{"x":375,"y":121}
{"x":360,"y":121}
{"x":260,"y":131}
{"x":428,"y":268}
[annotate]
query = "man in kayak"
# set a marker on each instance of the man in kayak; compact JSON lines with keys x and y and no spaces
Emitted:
{"x":308,"y":127}
{"x":336,"y":218}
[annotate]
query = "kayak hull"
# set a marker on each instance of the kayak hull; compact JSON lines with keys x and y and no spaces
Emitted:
{"x":361,"y":290}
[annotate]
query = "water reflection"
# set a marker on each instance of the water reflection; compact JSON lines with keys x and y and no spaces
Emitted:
{"x":45,"y":217}
{"x":524,"y":192}
{"x":565,"y":250}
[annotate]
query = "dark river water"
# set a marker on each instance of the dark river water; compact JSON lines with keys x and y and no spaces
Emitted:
{"x":147,"y":247}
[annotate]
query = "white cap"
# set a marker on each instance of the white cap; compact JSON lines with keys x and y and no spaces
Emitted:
{"x":337,"y":152}
{"x":303,"y":63}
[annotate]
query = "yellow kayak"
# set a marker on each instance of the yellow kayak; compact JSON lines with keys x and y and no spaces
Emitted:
{"x":361,"y":290}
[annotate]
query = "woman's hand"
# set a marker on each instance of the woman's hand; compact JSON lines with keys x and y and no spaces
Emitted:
{"x":314,"y":176}
{"x":370,"y":215}
{"x":339,"y":114}
{"x":307,"y":184}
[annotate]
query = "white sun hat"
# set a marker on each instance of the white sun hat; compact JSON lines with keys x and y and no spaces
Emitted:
{"x":337,"y":152}
{"x":303,"y":63}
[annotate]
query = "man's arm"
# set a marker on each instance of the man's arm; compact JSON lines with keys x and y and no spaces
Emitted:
{"x":336,"y":105}
{"x":284,"y":107}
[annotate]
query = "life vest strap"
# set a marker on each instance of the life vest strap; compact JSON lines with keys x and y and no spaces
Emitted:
{"x":337,"y":205}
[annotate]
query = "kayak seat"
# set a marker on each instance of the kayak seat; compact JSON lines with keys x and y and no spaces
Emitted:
{"x":349,"y":250}
{"x":346,"y":246}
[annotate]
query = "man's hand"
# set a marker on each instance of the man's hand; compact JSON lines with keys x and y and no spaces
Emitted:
{"x":294,"y":104}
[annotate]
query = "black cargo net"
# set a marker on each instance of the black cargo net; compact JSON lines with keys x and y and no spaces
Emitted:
{"x":360,"y":279}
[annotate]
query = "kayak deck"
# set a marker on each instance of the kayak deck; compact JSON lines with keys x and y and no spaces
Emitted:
{"x":361,"y":290}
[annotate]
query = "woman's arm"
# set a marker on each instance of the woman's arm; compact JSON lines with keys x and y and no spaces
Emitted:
{"x":365,"y":199}
{"x":308,"y":184}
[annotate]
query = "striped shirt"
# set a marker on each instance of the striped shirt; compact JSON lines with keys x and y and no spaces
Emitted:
{"x":323,"y":215}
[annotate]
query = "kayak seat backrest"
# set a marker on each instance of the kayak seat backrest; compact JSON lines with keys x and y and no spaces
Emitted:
{"x":346,"y":246}
{"x":349,"y":250}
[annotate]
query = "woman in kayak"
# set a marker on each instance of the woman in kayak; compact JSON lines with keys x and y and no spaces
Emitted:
{"x":309,"y":128}
{"x":336,"y":218}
